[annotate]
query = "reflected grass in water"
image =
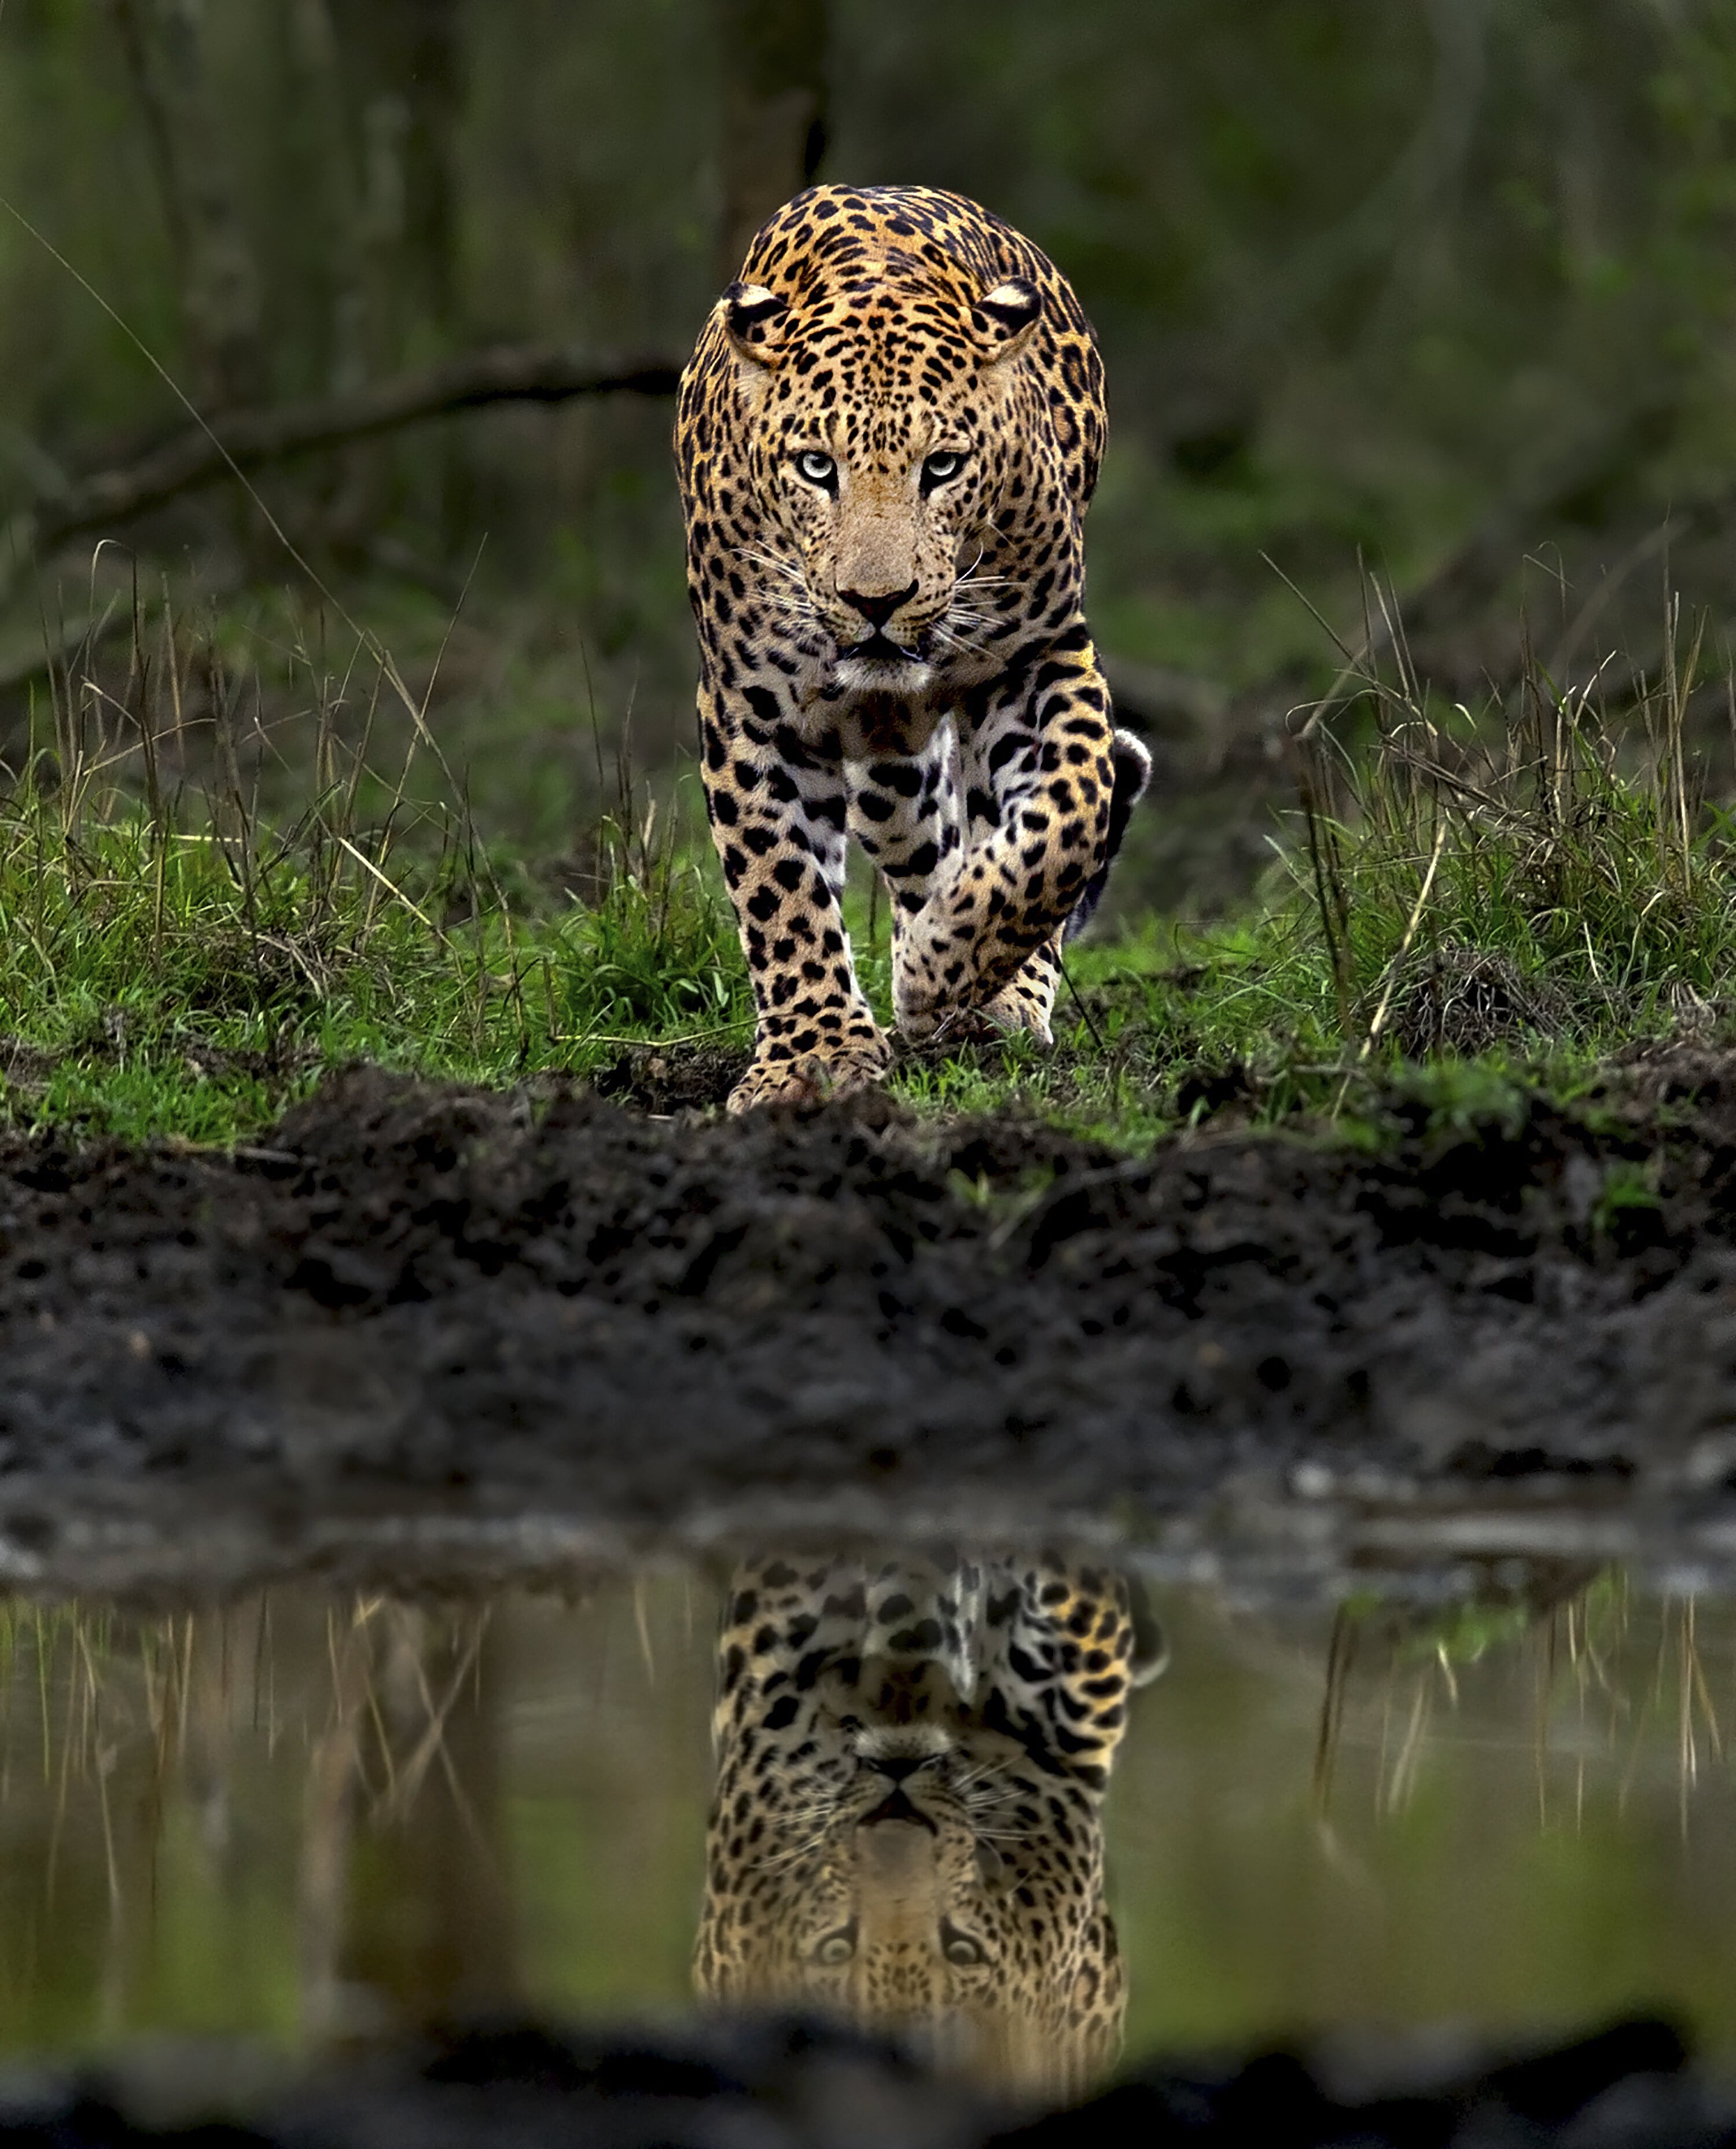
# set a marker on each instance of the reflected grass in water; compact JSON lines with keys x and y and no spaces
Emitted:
{"x":302,"y":1819}
{"x":1518,"y":1816}
{"x":307,"y":1820}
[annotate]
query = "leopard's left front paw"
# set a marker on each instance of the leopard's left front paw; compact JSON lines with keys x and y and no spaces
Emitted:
{"x":924,"y":994}
{"x":943,"y":1000}
{"x":1026,"y":1001}
{"x":1018,"y":1006}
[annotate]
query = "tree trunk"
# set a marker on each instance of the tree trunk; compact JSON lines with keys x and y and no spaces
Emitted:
{"x":774,"y":113}
{"x":332,"y":195}
{"x":405,"y":58}
{"x":219,"y":278}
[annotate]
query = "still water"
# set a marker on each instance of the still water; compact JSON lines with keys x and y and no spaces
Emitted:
{"x":315,"y":1819}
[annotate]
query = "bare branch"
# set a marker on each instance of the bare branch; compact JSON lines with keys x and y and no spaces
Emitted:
{"x":246,"y":440}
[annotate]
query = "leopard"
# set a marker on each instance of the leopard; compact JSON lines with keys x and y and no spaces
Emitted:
{"x":906,"y":1831}
{"x":886,"y":440}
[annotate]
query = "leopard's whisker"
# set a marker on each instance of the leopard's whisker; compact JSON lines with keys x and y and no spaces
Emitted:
{"x":792,"y":608}
{"x":770,"y":560}
{"x":796,"y":1851}
{"x":974,"y":1775}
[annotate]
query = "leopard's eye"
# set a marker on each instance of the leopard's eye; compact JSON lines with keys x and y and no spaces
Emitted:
{"x":960,"y":1951}
{"x":817,"y":468}
{"x":836,"y":1948}
{"x":938,"y":469}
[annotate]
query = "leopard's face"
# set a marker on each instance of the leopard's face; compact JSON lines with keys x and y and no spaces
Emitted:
{"x":922,"y":1902}
{"x":900,"y":1837}
{"x":885,"y":441}
{"x":937,"y":1888}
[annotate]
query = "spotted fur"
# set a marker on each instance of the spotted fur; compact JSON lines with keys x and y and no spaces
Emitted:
{"x":886,"y":439}
{"x":906,"y":1829}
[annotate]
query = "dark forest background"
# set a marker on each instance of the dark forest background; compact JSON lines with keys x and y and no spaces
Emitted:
{"x":1439,"y":290}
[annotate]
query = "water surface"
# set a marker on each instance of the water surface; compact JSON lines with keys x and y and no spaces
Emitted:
{"x":315,"y":1819}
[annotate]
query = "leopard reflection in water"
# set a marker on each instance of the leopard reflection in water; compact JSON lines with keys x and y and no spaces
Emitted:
{"x":907,"y":1830}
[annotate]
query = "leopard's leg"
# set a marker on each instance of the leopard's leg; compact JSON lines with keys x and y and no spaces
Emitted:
{"x":1040,"y":779}
{"x":904,"y":811}
{"x":1067,"y":1641}
{"x":1027,"y":1000}
{"x":776,"y":803}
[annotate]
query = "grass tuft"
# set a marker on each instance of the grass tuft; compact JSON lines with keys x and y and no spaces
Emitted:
{"x":1532,"y":871}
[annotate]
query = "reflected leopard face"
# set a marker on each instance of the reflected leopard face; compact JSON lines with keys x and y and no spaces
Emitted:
{"x":907,"y":1830}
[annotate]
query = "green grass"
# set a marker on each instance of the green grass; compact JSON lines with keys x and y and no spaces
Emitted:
{"x":181,"y":955}
{"x":1462,"y":908}
{"x":187,"y":986}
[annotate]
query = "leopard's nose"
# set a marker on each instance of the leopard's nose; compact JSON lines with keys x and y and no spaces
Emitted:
{"x":899,"y":1766}
{"x":878,"y":610}
{"x":896,"y":1807}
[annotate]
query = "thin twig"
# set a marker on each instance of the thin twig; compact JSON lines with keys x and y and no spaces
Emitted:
{"x":1376,"y":1027}
{"x":651,"y":1044}
{"x":1066,"y":979}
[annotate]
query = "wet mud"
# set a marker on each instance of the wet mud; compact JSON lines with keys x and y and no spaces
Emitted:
{"x":797,"y":2086}
{"x":558,"y":1302}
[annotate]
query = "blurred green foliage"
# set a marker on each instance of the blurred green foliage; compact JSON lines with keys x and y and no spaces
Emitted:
{"x":1364,"y":276}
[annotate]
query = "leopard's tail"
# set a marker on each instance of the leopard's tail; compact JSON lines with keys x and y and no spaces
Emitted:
{"x":1132,"y":761}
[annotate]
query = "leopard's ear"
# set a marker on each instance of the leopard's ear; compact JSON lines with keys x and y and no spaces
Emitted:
{"x":753,"y":320}
{"x":1004,"y":319}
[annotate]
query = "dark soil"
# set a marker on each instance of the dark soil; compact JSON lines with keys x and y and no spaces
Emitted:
{"x":799,"y":2085}
{"x":509,"y":1304}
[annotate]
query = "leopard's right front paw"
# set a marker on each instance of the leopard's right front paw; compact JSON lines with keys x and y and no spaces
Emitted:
{"x":810,"y":1078}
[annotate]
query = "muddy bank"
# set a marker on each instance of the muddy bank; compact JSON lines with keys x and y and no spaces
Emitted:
{"x":799,"y":2085}
{"x":514,"y":1306}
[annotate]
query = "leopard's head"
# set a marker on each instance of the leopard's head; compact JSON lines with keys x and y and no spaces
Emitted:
{"x":890,"y":428}
{"x":927,"y":1877}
